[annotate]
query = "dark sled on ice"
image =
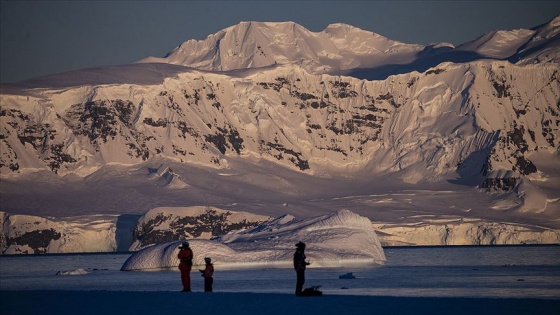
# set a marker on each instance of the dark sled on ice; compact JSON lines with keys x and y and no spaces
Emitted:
{"x":312,"y":291}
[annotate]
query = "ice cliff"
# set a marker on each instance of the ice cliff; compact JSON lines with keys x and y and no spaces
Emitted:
{"x":339,"y":236}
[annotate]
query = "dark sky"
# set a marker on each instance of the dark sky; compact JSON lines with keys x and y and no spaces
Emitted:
{"x":47,"y":37}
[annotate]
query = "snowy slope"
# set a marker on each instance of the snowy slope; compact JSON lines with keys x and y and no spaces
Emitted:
{"x":258,"y":117}
{"x":521,"y":46}
{"x":424,"y":126}
{"x":332,"y":240}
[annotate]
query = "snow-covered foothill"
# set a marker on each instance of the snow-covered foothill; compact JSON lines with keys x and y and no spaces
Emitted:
{"x":25,"y":234}
{"x":337,"y":239}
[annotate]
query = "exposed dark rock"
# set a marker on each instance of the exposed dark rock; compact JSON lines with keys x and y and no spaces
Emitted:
{"x":503,"y":184}
{"x":226,"y":138}
{"x":38,"y":240}
{"x":295,"y":156}
{"x":211,"y":222}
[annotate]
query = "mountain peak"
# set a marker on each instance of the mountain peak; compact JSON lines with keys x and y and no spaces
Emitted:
{"x":344,"y":26}
{"x":287,"y":26}
{"x":252,"y":44}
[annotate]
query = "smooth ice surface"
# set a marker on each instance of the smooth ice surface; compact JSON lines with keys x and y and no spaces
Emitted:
{"x":485,"y":271}
{"x":421,"y":280}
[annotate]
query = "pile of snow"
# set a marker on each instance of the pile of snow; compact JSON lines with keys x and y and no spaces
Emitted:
{"x":336,"y":239}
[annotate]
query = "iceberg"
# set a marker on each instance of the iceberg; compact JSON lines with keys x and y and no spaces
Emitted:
{"x":77,"y":272}
{"x":338,"y":239}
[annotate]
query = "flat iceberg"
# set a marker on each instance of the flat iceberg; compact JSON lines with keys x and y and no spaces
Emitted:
{"x":77,"y":272}
{"x":342,"y":238}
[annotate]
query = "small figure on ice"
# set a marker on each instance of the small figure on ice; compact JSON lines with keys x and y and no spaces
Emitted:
{"x":299,"y":265}
{"x":208,"y":273}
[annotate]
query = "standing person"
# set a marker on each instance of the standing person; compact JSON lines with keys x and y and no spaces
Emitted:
{"x":185,"y":264}
{"x":300,"y":265}
{"x":207,"y":273}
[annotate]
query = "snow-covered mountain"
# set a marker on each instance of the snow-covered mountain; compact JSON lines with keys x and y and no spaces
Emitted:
{"x":264,"y":116}
{"x":345,"y":49}
{"x":441,"y":119}
{"x":261,"y":44}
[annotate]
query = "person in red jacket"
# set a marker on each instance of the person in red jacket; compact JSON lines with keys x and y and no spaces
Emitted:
{"x":185,"y":264}
{"x":207,"y":273}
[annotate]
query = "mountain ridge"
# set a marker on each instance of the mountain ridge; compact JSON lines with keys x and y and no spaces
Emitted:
{"x":297,"y":119}
{"x":369,"y":50}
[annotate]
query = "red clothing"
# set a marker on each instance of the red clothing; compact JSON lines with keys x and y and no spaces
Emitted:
{"x":185,"y":257}
{"x":208,"y":272}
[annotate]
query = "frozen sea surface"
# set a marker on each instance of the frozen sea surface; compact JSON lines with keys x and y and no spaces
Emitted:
{"x":505,"y":272}
{"x":422,"y":280}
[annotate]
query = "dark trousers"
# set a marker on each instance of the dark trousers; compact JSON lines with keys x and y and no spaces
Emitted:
{"x":300,"y":280}
{"x":186,"y":277}
{"x":208,"y":284}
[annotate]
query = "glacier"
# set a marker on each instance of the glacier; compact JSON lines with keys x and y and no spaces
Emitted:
{"x":339,"y":239}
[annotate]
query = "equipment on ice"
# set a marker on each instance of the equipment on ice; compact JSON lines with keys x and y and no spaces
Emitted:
{"x":311,"y":291}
